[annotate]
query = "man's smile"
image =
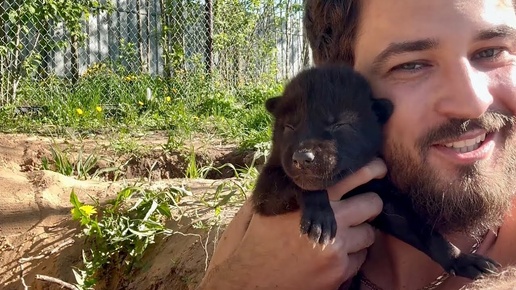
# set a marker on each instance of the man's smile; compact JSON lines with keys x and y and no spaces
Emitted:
{"x":471,"y":147}
{"x":467,"y":145}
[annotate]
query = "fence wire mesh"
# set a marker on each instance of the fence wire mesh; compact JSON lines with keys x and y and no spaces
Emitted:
{"x":129,"y":51}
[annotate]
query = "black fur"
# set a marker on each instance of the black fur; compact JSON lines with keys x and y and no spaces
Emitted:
{"x":327,"y":126}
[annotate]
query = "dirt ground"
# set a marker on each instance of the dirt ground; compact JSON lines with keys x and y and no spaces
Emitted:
{"x":37,"y":234}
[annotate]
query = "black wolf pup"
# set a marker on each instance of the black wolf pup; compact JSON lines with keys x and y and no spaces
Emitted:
{"x":327,"y":126}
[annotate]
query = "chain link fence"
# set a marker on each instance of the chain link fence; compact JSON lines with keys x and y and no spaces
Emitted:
{"x":112,"y":52}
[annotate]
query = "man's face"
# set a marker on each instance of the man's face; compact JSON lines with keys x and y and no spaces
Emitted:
{"x":449,"y":66}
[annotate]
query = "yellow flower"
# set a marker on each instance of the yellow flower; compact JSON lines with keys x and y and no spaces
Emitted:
{"x":99,"y":109}
{"x":79,"y":111}
{"x":167,"y":99}
{"x":140,"y":103}
{"x":83,"y":211}
{"x":88,"y":210}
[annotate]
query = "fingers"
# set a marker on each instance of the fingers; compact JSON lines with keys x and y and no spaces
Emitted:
{"x":357,"y":209}
{"x":355,"y":262}
{"x":372,"y":170}
{"x":359,"y":238}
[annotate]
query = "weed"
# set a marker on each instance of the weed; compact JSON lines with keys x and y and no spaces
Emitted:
{"x":192,"y":169}
{"x":238,"y":187}
{"x":61,"y":162}
{"x":107,"y":99}
{"x":125,"y":143}
{"x":83,"y":166}
{"x":120,"y":232}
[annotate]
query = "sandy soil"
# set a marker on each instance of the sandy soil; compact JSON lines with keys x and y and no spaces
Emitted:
{"x":35,"y":222}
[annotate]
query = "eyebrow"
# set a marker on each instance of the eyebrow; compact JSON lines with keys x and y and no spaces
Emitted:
{"x":397,"y":48}
{"x":402,"y":47}
{"x":496,"y":32}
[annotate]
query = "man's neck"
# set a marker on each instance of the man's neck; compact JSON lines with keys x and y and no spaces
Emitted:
{"x":393,"y":264}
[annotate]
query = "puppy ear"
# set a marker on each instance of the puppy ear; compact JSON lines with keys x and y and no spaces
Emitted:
{"x":270,"y":104}
{"x":383,"y":109}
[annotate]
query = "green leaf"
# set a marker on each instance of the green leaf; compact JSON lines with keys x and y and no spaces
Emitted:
{"x":164,"y":209}
{"x":12,"y":16}
{"x":151,"y":210}
{"x":142,"y":234}
{"x":79,"y":277}
{"x":74,"y":200}
{"x":76,"y":214}
{"x":123,"y":195}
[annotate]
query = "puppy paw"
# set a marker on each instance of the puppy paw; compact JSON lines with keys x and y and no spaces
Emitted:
{"x":473,"y":266}
{"x":319,"y":224}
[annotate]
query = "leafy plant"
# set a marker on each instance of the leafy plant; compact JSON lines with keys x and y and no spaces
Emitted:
{"x":192,"y":168}
{"x":238,"y":187}
{"x":84,"y":166}
{"x":119,"y":233}
{"x":60,"y":161}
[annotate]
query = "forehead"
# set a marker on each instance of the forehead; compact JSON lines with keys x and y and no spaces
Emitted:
{"x":450,"y":21}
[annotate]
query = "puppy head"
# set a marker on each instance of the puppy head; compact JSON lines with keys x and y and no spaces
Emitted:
{"x":327,"y":125}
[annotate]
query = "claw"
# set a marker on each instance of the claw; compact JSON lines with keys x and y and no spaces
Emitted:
{"x":473,"y":266}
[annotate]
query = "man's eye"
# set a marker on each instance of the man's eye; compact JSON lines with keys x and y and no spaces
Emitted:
{"x":410,"y":66}
{"x":488,"y":53}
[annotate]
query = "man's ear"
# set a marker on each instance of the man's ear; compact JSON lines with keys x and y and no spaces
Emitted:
{"x":270,"y":104}
{"x":383,"y":109}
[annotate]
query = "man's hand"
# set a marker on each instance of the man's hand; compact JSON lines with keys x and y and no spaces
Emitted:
{"x":269,"y":253}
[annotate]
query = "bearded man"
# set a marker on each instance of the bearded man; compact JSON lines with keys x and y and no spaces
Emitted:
{"x":449,"y":67}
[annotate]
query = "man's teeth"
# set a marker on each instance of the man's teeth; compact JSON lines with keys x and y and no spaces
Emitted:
{"x":467,"y":145}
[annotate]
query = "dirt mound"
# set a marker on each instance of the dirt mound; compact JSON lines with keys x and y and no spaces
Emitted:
{"x":26,"y":153}
{"x":37,"y":235}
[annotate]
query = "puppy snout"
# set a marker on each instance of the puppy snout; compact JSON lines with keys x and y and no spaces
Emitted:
{"x":302,"y":158}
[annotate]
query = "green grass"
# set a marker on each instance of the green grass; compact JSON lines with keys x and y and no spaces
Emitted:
{"x":106,"y":100}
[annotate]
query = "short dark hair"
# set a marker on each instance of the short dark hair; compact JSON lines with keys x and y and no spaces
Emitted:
{"x":331,"y":27}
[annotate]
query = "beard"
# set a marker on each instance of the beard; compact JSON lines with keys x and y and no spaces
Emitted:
{"x":473,"y":199}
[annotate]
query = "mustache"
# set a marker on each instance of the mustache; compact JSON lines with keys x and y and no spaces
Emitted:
{"x":491,"y":121}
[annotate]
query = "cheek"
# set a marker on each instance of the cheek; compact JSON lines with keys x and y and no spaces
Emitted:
{"x":503,"y":88}
{"x":411,"y":114}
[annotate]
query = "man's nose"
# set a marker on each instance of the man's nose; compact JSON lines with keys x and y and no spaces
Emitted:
{"x":465,"y":93}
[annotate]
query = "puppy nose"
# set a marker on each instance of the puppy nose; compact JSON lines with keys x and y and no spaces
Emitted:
{"x":302,"y":157}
